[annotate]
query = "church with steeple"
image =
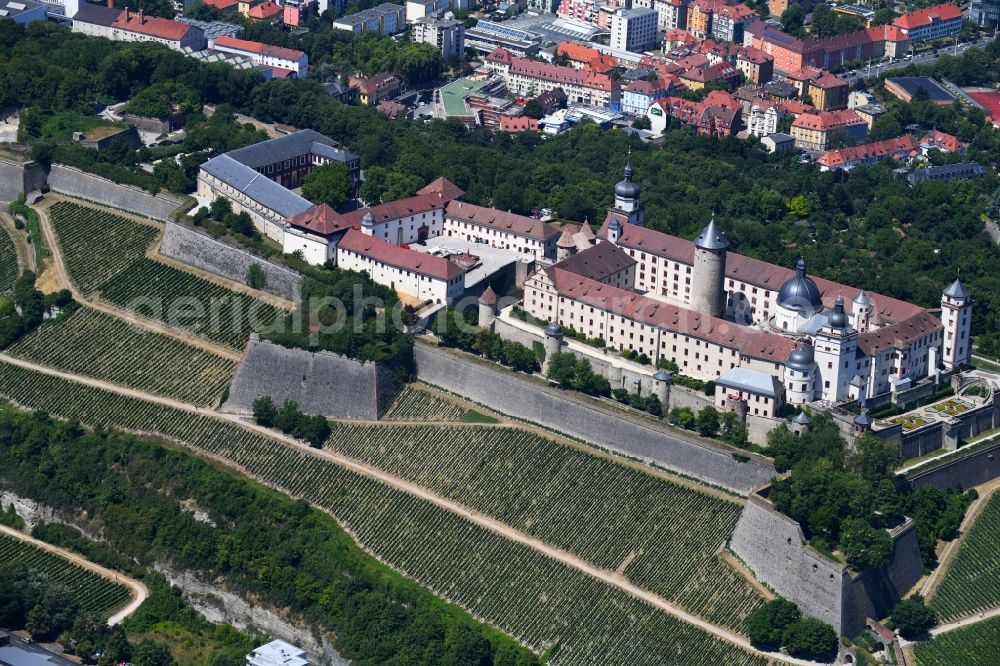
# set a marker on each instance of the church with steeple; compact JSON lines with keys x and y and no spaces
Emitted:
{"x":767,"y":334}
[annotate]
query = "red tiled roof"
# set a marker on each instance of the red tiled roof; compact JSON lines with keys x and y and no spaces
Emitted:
{"x":577,"y":52}
{"x":560,"y":74}
{"x":321,"y":220}
{"x":824,"y":121}
{"x":628,"y":304}
{"x":400,"y":257}
{"x":753,"y":271}
{"x":443,"y":187}
{"x":943,"y":141}
{"x":681,"y":36}
{"x":901,"y":146}
{"x":828,"y":80}
{"x":513,"y":223}
{"x":515,"y":124}
{"x":754,"y":55}
{"x":222,"y":4}
{"x":371,"y":84}
{"x":265,"y":10}
{"x":722,"y":70}
{"x":151,"y":25}
{"x":888,"y":33}
{"x":394,"y":210}
{"x":390,"y":108}
{"x":899,"y":334}
{"x":501,"y":55}
{"x":259,"y":47}
{"x":738,"y":13}
{"x":928,"y":15}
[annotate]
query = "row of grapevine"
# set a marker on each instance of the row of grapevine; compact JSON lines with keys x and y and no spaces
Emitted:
{"x":188,"y":302}
{"x":975,"y":645}
{"x":97,"y":345}
{"x":414,"y":404}
{"x":96,"y":245}
{"x":9,"y":270}
{"x":972,"y":581}
{"x":517,"y":589}
{"x":94,"y":593}
{"x":667,"y":535}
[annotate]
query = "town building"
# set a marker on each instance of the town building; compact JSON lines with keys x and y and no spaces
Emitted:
{"x":763,"y":119}
{"x":633,"y":29}
{"x":528,"y":77}
{"x":930,"y":22}
{"x":957,"y":171}
{"x":757,"y":66}
{"x":901,"y":148}
{"x":446,"y":35}
{"x":125,"y":25}
{"x":418,"y":9}
{"x":905,"y":87}
{"x":671,"y":14}
{"x":259,"y":179}
{"x":500,"y":229}
{"x":373,"y":89}
{"x":699,"y":17}
{"x":985,"y":13}
{"x":729,"y":21}
{"x":720,"y":114}
{"x":697,"y":78}
{"x":817,"y":131}
{"x":766,"y":334}
{"x":792,"y":54}
{"x":285,"y":61}
{"x":488,"y":36}
{"x":266,"y":12}
{"x":870,"y":113}
{"x":828,"y":92}
{"x":278,"y":653}
{"x":385,"y":19}
{"x":639,"y":95}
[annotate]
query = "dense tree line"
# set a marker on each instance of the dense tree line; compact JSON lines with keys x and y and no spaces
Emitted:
{"x":25,"y":310}
{"x":779,"y":623}
{"x":258,"y":541}
{"x":289,"y":420}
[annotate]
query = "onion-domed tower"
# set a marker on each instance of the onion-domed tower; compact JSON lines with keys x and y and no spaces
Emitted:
{"x":627,"y":204}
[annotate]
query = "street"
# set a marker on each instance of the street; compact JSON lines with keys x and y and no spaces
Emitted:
{"x":925,"y":58}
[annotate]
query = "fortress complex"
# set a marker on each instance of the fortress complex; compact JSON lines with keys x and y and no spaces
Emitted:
{"x":765,"y":334}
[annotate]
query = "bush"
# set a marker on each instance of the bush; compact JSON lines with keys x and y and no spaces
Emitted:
{"x":810,"y":638}
{"x":289,"y":420}
{"x":912,"y":617}
{"x":766,"y":625}
{"x":571,"y":372}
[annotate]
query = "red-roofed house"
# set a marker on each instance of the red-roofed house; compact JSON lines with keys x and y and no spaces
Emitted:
{"x":729,"y":21}
{"x":697,"y":78}
{"x":518,"y":124}
{"x":500,"y":229}
{"x":410,"y":220}
{"x":224,"y":6}
{"x":719,"y":115}
{"x":315,"y":233}
{"x":901,"y":148}
{"x":757,"y":66}
{"x":132,"y":26}
{"x":422,"y":276}
{"x":930,"y":22}
{"x":268,"y":11}
{"x":638,"y":95}
{"x":829,"y":92}
{"x":278,"y":57}
{"x":938,"y":140}
{"x":814,"y":131}
{"x":528,"y":77}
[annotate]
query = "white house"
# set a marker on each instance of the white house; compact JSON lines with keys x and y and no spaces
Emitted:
{"x":500,"y":229}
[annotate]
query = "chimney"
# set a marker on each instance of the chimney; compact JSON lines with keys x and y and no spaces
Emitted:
{"x":140,"y":17}
{"x":126,"y":13}
{"x":111,"y":4}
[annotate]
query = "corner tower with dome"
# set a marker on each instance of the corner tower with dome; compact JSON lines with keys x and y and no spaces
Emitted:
{"x":627,"y":208}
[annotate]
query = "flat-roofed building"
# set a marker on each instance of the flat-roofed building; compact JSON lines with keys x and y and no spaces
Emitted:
{"x":385,"y":19}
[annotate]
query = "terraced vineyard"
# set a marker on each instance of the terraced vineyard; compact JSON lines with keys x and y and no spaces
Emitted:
{"x":972,"y":581}
{"x":97,"y":245}
{"x":105,"y":253}
{"x":976,"y":645}
{"x":8,"y":263}
{"x":413,"y":404}
{"x":94,"y":593}
{"x":611,"y":515}
{"x":185,"y":301}
{"x":534,"y":598}
{"x":97,"y":345}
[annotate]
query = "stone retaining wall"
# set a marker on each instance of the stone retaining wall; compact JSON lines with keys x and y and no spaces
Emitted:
{"x":75,"y":183}
{"x":585,"y":419}
{"x":198,"y":249}
{"x":320,"y":383}
{"x":965,"y":469}
{"x":17,"y":178}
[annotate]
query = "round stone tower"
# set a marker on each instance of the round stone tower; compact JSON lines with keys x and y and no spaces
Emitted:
{"x":487,"y":308}
{"x":553,"y":344}
{"x":708,"y":294}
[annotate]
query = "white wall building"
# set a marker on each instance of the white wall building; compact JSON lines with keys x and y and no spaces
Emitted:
{"x":416,"y":9}
{"x":633,"y":29}
{"x":278,"y":653}
{"x":264,"y":54}
{"x":761,"y":123}
{"x":499,"y":229}
{"x":447,"y":35}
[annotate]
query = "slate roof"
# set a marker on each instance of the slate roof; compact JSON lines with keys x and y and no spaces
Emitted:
{"x":96,"y":14}
{"x":597,"y":262}
{"x":286,"y":147}
{"x":750,"y":381}
{"x":512,"y":223}
{"x":258,"y":187}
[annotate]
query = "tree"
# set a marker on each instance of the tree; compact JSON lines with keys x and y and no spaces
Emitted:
{"x":642,"y":123}
{"x":810,"y":638}
{"x":329,"y":183}
{"x":824,"y":21}
{"x":682,"y":417}
{"x":256,"y":278}
{"x":883,"y":16}
{"x":151,"y":653}
{"x":798,"y":206}
{"x":793,"y":19}
{"x":766,"y":625}
{"x":264,"y":411}
{"x":220,"y":208}
{"x":708,"y":421}
{"x":874,"y":458}
{"x":533,"y":109}
{"x":920,"y":95}
{"x":864,"y":546}
{"x":912,"y":617}
{"x":734,"y":431}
